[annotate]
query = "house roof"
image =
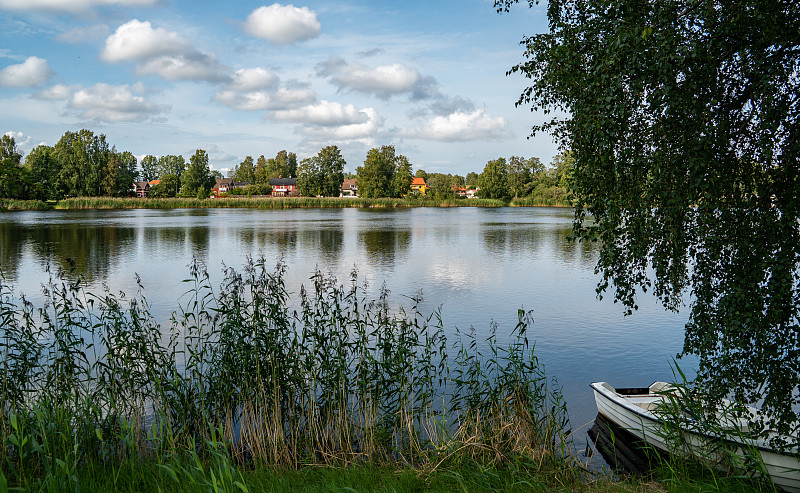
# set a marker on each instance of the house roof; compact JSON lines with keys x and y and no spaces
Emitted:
{"x":141,"y":184}
{"x":349,"y":183}
{"x":224,"y":181}
{"x":154,"y":182}
{"x":418,"y":181}
{"x":282,"y":182}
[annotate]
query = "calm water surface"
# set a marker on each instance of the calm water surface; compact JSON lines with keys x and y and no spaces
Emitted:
{"x":478,"y":265}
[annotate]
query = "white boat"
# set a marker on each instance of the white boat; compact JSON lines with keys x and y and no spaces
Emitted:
{"x":636,"y":410}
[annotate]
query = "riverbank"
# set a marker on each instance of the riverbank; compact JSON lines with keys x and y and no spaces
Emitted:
{"x":261,"y":203}
{"x":245,"y":391}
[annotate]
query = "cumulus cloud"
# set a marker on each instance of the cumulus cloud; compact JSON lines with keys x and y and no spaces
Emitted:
{"x":107,"y":103}
{"x":368,"y":128}
{"x":253,"y":79}
{"x":192,"y":66}
{"x":325,"y":113}
{"x":282,"y":99}
{"x":32,"y":72}
{"x":83,"y":34}
{"x":20,"y":139}
{"x":459,"y":126}
{"x":257,"y":89}
{"x":283,"y":24}
{"x":161,"y":52}
{"x":56,"y":92}
{"x":70,"y":5}
{"x":444,"y":107}
{"x":136,"y":40}
{"x":383,"y":81}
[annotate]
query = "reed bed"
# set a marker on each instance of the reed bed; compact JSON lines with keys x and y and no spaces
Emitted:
{"x":243,"y":376}
{"x":266,"y":203}
{"x":22,"y":205}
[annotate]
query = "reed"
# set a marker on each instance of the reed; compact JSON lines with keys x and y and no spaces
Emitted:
{"x":242,"y":376}
{"x":21,"y":205}
{"x":261,"y":203}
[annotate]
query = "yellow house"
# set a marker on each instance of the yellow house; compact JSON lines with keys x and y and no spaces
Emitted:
{"x":418,"y":185}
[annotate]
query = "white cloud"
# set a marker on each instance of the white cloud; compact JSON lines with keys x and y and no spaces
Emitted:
{"x":253,"y":79}
{"x":137,"y":40}
{"x":57,"y":92}
{"x":32,"y":72}
{"x":282,"y":99}
{"x":460,"y":126}
{"x":70,"y":5}
{"x":324,"y":113}
{"x":283,"y":24}
{"x":383,"y":81}
{"x":161,"y":52}
{"x":20,"y":139}
{"x":104,"y":102}
{"x":195,"y":66}
{"x":368,"y":128}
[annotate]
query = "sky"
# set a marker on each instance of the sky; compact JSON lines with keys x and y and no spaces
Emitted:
{"x":240,"y":78}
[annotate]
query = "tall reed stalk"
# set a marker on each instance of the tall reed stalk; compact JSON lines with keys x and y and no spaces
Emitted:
{"x":242,"y":375}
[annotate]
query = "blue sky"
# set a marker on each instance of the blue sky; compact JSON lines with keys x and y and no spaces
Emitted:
{"x":242,"y":78}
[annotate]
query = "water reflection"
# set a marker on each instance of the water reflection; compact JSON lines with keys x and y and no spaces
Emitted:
{"x":328,"y":242}
{"x":385,"y":246}
{"x":12,"y":238}
{"x":93,"y":250}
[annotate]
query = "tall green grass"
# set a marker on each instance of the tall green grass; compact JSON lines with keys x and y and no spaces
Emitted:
{"x":265,"y":203}
{"x":243,"y":376}
{"x":21,"y":205}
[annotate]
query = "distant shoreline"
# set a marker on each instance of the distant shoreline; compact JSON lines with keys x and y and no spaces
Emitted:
{"x":258,"y":203}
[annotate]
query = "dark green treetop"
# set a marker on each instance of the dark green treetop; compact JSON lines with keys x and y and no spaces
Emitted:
{"x":683,"y":118}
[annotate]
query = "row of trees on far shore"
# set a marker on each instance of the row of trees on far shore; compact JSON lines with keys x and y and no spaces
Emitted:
{"x":83,"y":164}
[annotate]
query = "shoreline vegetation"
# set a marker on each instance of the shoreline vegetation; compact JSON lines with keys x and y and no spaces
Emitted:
{"x":247,"y":388}
{"x":245,"y":202}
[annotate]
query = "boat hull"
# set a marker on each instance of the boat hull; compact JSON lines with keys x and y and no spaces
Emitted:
{"x":631,"y":413}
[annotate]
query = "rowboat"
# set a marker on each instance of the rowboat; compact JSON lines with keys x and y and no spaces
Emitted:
{"x":637,"y":411}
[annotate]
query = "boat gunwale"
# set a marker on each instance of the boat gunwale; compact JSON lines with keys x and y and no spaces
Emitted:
{"x":649,"y":415}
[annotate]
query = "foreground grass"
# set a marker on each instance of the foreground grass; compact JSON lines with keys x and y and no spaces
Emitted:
{"x":268,"y":203}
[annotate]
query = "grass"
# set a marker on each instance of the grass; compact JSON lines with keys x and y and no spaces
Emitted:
{"x":247,"y":389}
{"x":244,"y":378}
{"x":246,"y":202}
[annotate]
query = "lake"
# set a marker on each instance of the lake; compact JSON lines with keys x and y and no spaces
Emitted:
{"x":479,"y":265}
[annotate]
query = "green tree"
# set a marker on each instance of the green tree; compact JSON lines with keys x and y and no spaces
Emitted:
{"x":291,"y":165}
{"x":169,"y":186}
{"x":471,"y":180}
{"x":521,"y":174}
{"x":43,"y":173}
{"x":683,"y":119}
{"x":331,"y":166}
{"x":245,"y":172}
{"x":83,"y":161}
{"x":150,"y":168}
{"x":308,"y":177}
{"x":493,"y":182}
{"x":440,"y":186}
{"x":171,"y":165}
{"x":401,"y":181}
{"x":376,"y":176}
{"x":12,"y":175}
{"x":261,"y":174}
{"x":197,"y":180}
{"x":421,"y":174}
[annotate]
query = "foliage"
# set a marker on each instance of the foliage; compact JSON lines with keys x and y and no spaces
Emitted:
{"x":150,"y":168}
{"x":321,"y":174}
{"x":197,"y":180}
{"x":11,"y":173}
{"x":376,"y":176}
{"x":493,"y":182}
{"x":440,"y":186}
{"x":243,"y":376}
{"x":43,"y":170}
{"x":401,"y":180}
{"x":83,"y":161}
{"x":245,"y":171}
{"x":683,"y":121}
{"x":171,"y":165}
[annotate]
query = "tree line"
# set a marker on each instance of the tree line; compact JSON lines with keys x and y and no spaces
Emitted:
{"x":83,"y":164}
